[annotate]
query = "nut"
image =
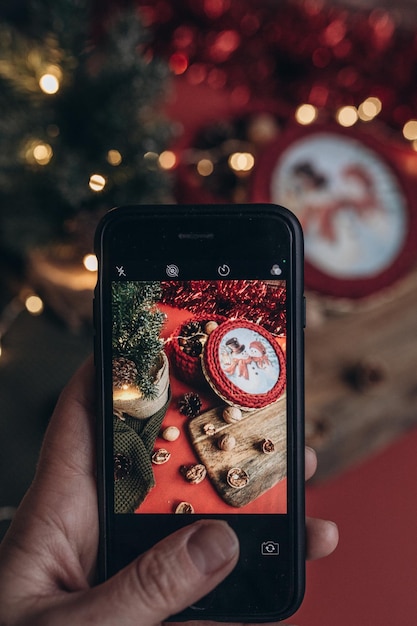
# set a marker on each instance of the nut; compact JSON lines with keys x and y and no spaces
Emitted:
{"x":160,"y":456}
{"x":171,"y":433}
{"x":210,"y":326}
{"x":268,"y":447}
{"x":209,"y":429}
{"x":232,"y":414}
{"x":184,"y":507}
{"x":194,"y":474}
{"x":237,"y":477}
{"x":226,"y":442}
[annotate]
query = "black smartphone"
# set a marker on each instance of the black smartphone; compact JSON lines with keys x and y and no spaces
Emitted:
{"x":199,"y":315}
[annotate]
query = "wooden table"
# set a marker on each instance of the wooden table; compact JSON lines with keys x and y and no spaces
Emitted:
{"x":361,"y":374}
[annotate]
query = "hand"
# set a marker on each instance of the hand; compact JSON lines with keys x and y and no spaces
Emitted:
{"x":47,"y":560}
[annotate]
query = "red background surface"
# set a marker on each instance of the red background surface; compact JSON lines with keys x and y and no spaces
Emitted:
{"x":371,"y":578}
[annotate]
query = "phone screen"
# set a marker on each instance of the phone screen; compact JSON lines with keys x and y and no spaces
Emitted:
{"x":199,"y":421}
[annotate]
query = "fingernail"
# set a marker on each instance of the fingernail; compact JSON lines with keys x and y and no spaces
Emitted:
{"x":212,"y":546}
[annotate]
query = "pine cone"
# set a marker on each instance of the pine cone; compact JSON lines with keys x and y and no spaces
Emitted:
{"x":190,"y":405}
{"x":124,"y":372}
{"x":122,"y":466}
{"x":191,"y":328}
{"x":193,"y":347}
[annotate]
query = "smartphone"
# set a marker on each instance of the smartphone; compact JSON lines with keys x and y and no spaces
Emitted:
{"x":199,"y":342}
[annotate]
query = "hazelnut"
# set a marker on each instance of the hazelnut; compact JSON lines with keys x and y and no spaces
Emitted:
{"x":210,"y":326}
{"x":171,"y":433}
{"x":226,"y":442}
{"x":232,"y":414}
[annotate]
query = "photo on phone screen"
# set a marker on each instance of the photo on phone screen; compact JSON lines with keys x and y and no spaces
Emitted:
{"x":199,"y":396}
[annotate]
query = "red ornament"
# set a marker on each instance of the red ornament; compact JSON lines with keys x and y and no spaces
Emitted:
{"x":244,"y":365}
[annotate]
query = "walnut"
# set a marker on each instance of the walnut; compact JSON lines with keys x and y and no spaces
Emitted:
{"x":184,"y":507}
{"x":268,"y":446}
{"x":209,"y":429}
{"x":194,"y":474}
{"x":237,"y":477}
{"x":161,"y":456}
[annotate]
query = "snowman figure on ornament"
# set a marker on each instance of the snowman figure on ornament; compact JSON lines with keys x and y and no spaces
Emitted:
{"x":258,"y":355}
{"x":235,"y":359}
{"x":249,"y":369}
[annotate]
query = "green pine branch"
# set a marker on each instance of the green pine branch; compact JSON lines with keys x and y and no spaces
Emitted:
{"x":107,"y":100}
{"x":137,"y":324}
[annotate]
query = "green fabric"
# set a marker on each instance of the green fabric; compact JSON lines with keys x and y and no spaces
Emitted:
{"x":135,"y":438}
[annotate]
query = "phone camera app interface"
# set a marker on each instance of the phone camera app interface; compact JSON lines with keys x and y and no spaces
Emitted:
{"x":199,"y":397}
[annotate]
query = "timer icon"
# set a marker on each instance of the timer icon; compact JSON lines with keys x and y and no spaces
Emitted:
{"x":223,"y":270}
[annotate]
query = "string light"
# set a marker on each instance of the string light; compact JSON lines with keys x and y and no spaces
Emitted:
{"x":167,"y":160}
{"x":50,"y":81}
{"x":306,"y":114}
{"x":42,"y":153}
{"x":369,"y":109}
{"x":241,"y":161}
{"x":114,"y":157}
{"x":97,"y":182}
{"x":205,"y":167}
{"x":410,"y":130}
{"x":347,"y":116}
{"x":90,"y":262}
{"x":38,"y":152}
{"x":34,"y":304}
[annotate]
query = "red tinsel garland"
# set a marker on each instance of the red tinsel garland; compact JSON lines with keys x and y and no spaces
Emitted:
{"x":255,"y":301}
{"x":292,"y":51}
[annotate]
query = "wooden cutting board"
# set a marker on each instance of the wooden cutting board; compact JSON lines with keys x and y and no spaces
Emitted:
{"x":264,"y":470}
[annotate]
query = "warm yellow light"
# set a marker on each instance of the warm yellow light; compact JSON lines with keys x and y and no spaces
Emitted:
{"x":97,"y":182}
{"x":205,"y":167}
{"x":306,"y":114}
{"x":42,"y":153}
{"x":347,"y":116}
{"x":90,"y":262}
{"x":49,"y":83}
{"x":410,"y":130}
{"x":34,"y":305}
{"x":241,"y":161}
{"x":167,"y":160}
{"x":369,"y":109}
{"x":114,"y":157}
{"x":127,"y":392}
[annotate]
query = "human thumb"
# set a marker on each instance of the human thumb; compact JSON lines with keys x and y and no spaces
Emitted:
{"x":175,"y":573}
